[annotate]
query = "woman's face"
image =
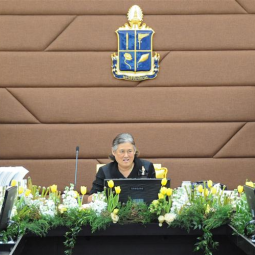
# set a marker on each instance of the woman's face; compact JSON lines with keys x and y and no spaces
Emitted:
{"x":125,"y":155}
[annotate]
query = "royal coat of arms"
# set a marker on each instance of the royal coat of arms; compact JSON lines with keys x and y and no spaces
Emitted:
{"x":135,"y":60}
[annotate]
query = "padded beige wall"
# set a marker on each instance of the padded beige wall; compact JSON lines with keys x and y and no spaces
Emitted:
{"x":56,"y":89}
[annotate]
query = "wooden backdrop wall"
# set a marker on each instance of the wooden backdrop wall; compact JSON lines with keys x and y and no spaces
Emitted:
{"x":56,"y":88}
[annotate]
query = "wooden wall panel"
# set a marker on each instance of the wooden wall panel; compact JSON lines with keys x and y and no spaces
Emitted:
{"x":106,"y":105}
{"x":57,"y":91}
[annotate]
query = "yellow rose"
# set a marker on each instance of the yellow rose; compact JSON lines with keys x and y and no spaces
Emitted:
{"x":21,"y":190}
{"x":110,"y":184}
{"x":13,"y":183}
{"x":83,"y":190}
{"x":53,"y":188}
{"x":164,"y":182}
{"x":160,"y":196}
{"x":115,"y":211}
{"x":117,"y":190}
{"x":27,"y":193}
{"x":200,"y":188}
{"x":250,"y":184}
{"x":213,"y":190}
{"x":169,"y":192}
{"x":163,"y":190}
{"x":209,"y":184}
{"x":240,"y":189}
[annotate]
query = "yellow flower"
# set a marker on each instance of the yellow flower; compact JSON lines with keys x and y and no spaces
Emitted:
{"x":213,"y":190}
{"x":114,"y":217}
{"x":206,"y":192}
{"x":240,"y":189}
{"x":115,"y":211}
{"x":110,"y":184}
{"x":169,"y":192}
{"x":117,"y":190}
{"x":251,"y":184}
{"x":54,"y":188}
{"x":21,"y":190}
{"x":160,"y":196}
{"x":76,"y":194}
{"x":163,"y":190}
{"x":207,"y":209}
{"x":83,"y":190}
{"x":164,"y":181}
{"x":13,"y":183}
{"x":27,"y":193}
{"x":209,"y":184}
{"x":200,"y":188}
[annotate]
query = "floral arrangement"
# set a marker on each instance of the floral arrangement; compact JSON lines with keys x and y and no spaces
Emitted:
{"x":205,"y":207}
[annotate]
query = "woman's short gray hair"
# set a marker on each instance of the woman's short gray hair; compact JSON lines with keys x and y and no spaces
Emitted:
{"x":122,"y":138}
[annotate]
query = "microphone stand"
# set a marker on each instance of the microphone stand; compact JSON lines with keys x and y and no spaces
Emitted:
{"x":76,"y":167}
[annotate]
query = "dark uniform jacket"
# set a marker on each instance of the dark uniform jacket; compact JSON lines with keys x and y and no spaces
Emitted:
{"x":142,"y":169}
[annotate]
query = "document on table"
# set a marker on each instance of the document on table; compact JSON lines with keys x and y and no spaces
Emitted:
{"x":7,"y":174}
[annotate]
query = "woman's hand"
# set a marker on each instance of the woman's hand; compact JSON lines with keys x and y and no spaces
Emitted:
{"x":90,"y":198}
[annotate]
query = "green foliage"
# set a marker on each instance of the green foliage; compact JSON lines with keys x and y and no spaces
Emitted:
{"x":190,"y":217}
{"x":75,"y":220}
{"x":204,"y":213}
{"x":218,"y":217}
{"x":101,"y":221}
{"x":134,"y":212}
{"x":112,"y":199}
{"x":206,"y":242}
{"x":204,"y":210}
{"x":242,"y":216}
{"x":13,"y":231}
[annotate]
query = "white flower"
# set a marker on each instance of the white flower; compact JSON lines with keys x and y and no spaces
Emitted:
{"x":85,"y":206}
{"x":161,"y":219}
{"x":98,"y":206}
{"x":170,"y":217}
{"x":114,"y":217}
{"x":14,"y":211}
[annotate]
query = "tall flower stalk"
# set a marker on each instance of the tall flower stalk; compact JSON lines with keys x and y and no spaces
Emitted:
{"x":112,"y":196}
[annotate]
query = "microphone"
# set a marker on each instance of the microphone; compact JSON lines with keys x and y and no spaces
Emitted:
{"x":76,"y":166}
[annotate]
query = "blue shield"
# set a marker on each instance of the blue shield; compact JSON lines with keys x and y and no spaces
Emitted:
{"x":135,"y":50}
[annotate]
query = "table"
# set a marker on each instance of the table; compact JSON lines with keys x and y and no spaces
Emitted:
{"x":135,"y":239}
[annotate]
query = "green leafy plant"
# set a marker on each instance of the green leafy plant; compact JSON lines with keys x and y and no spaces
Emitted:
{"x":242,"y":216}
{"x":205,"y":208}
{"x":134,"y":212}
{"x":75,"y":220}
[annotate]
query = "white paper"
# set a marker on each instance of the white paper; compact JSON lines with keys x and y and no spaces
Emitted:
{"x":7,"y":174}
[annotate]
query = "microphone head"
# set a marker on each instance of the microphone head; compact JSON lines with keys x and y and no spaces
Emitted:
{"x":77,"y":148}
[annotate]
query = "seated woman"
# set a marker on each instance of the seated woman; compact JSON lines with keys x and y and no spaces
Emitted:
{"x":125,"y":164}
